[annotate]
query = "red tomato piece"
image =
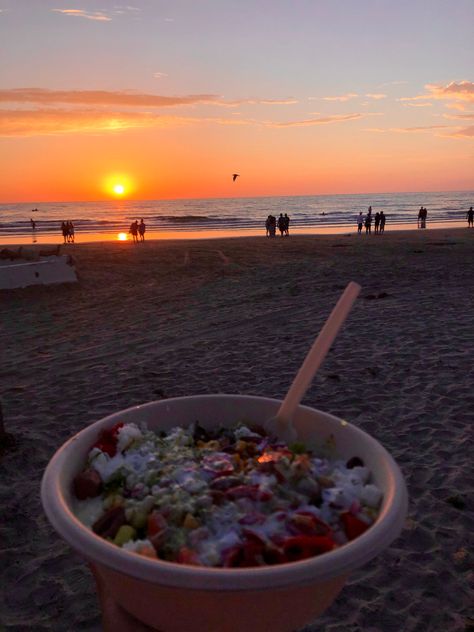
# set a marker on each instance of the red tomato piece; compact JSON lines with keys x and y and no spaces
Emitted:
{"x":156,"y":523}
{"x":187,"y":556}
{"x":353,"y":526}
{"x":301,"y":547}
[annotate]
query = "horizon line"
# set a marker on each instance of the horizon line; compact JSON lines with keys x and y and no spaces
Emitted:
{"x":233,"y":197}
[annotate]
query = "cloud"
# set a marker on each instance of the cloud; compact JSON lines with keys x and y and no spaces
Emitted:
{"x":159,"y":75}
{"x":456,"y":106}
{"x":408,"y":130}
{"x":80,"y":13}
{"x":417,"y":105}
{"x":454,"y":91}
{"x":467,"y":132}
{"x":46,"y":122}
{"x":376,"y":96}
{"x":319,"y":121}
{"x":288,"y":101}
{"x":126,"y":98}
{"x":467,"y":116}
{"x":343,"y":97}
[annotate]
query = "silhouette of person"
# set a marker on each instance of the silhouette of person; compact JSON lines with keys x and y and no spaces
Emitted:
{"x":360,"y":222}
{"x":33,"y":223}
{"x":141,"y":229}
{"x":268,"y":222}
{"x":64,"y":230}
{"x":383,"y":219}
{"x":368,"y":222}
{"x":134,"y":231}
{"x":420,"y":216}
{"x":376,"y":222}
{"x":470,"y":217}
{"x":287,"y":224}
{"x":272,"y":222}
{"x":281,"y":224}
{"x":424,"y":214}
{"x":70,"y":231}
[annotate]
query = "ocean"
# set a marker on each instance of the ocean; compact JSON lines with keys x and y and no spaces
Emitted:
{"x":225,"y":216}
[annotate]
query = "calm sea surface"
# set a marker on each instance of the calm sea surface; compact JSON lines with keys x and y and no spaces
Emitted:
{"x":319,"y":213}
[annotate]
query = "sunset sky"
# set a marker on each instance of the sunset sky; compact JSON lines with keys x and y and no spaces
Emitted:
{"x":169,"y":98}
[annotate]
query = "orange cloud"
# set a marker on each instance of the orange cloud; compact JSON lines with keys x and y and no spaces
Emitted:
{"x":343,"y":97}
{"x":101,"y":97}
{"x":319,"y":121}
{"x":376,"y":96}
{"x":454,"y":91}
{"x":43,"y":122}
{"x":80,"y":13}
{"x":123,"y":98}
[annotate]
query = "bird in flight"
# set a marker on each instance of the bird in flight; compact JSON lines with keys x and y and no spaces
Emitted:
{"x":235,"y":176}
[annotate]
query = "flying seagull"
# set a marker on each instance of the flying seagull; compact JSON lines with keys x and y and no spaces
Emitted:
{"x":235,"y":176}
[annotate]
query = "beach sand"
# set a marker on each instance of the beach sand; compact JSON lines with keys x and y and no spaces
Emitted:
{"x":238,"y":316}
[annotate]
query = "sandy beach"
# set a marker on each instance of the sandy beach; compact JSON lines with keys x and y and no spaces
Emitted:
{"x":165,"y":319}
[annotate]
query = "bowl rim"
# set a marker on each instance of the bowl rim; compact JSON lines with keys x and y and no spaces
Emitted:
{"x":101,"y":552}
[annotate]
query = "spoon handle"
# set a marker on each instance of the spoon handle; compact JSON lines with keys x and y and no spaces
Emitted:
{"x":317,"y":353}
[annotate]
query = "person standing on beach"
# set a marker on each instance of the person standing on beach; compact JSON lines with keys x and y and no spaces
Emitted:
{"x":268,"y":221}
{"x":134,"y":231}
{"x":376,"y":222}
{"x":383,"y":218}
{"x":470,"y":218}
{"x":141,"y":229}
{"x":33,"y":223}
{"x":424,"y":214}
{"x":281,"y":224}
{"x":70,"y":232}
{"x":360,"y":222}
{"x":287,"y":224}
{"x":420,"y":216}
{"x":368,"y":222}
{"x":64,"y":230}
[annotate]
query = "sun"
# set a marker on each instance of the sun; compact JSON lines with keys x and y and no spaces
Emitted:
{"x":119,"y":189}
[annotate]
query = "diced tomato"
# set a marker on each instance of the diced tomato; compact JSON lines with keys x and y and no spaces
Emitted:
{"x":107,"y":441}
{"x":187,"y":556}
{"x":305,"y":522}
{"x":353,"y":526}
{"x":301,"y":547}
{"x":232,"y":557}
{"x":156,"y":523}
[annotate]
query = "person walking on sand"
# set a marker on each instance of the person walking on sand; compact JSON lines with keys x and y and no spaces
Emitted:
{"x":287,"y":224}
{"x":70,"y":232}
{"x":142,"y":229}
{"x":470,"y":218}
{"x":383,"y":218}
{"x":360,"y":222}
{"x":377,"y":222}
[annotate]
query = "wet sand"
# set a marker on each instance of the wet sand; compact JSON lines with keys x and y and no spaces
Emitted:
{"x":165,"y":319}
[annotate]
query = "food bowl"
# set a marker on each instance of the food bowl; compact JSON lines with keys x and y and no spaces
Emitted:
{"x":177,"y":597}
